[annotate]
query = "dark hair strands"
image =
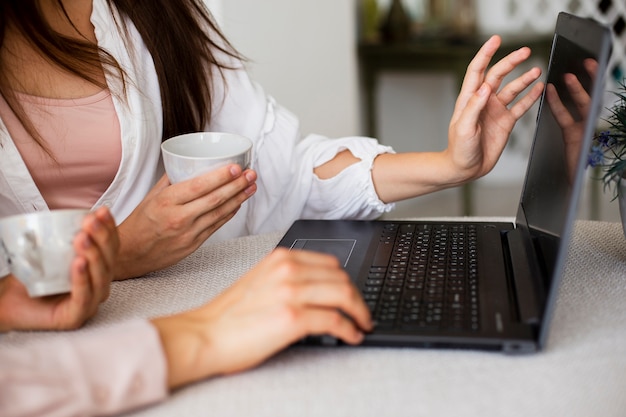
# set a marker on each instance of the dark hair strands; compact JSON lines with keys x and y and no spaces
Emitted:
{"x":180,"y":35}
{"x":177,"y":35}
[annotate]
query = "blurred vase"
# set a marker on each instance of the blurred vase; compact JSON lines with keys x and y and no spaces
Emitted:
{"x":463,"y":17}
{"x":397,"y":24}
{"x":370,"y":19}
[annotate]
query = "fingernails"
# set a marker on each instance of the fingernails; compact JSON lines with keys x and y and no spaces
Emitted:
{"x":250,"y":190}
{"x":235,"y":170}
{"x":95,"y":224}
{"x":82,"y":265}
{"x":105,"y":212}
{"x":250,"y":176}
{"x":86,"y":243}
{"x":482,"y":91}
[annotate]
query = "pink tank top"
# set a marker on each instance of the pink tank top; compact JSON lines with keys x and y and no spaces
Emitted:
{"x":83,"y":135}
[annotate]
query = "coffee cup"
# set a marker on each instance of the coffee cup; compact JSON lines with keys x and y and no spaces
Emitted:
{"x":39,"y":248}
{"x":192,"y":154}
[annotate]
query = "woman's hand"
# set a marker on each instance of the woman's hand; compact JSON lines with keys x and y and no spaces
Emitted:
{"x":483,"y":118}
{"x":96,"y":248}
{"x":485,"y":114}
{"x":287,"y":296}
{"x":174,"y":220}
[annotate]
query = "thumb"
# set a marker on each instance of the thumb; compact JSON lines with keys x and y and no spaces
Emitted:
{"x":474,"y":108}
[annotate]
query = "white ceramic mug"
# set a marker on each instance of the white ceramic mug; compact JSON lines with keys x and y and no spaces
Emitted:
{"x":187,"y":156}
{"x":39,"y":248}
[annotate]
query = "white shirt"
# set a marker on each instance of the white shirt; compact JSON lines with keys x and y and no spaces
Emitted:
{"x":284,"y":161}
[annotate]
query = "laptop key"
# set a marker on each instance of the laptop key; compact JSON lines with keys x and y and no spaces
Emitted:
{"x":424,"y":278}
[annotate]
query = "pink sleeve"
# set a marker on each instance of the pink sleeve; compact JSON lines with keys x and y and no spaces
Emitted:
{"x":99,"y":372}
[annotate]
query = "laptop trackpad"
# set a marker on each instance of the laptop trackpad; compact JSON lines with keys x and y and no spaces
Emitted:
{"x":340,"y":248}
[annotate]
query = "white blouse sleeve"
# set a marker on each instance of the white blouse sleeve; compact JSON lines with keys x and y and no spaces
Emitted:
{"x":99,"y":372}
{"x":284,"y":161}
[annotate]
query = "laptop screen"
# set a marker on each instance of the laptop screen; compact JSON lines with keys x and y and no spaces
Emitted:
{"x":565,"y":127}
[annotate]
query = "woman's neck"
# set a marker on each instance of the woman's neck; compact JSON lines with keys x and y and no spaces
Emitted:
{"x":31,"y":73}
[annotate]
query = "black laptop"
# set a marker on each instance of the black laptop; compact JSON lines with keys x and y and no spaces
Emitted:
{"x":480,"y":285}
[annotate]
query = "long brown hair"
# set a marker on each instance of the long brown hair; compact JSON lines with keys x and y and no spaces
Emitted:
{"x":180,"y":35}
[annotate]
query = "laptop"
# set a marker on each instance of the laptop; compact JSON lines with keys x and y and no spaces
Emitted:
{"x":491,"y":286}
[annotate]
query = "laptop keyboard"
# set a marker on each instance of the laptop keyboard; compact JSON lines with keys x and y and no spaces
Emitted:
{"x":424,"y":276}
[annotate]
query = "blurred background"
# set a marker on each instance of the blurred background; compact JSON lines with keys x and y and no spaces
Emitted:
{"x":391,"y":69}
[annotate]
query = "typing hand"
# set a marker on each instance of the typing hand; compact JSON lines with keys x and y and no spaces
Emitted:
{"x":287,"y":296}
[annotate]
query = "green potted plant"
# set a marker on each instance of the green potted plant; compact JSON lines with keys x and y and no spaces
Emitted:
{"x":608,"y":152}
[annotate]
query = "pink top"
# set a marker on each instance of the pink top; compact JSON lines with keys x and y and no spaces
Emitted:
{"x":85,"y":139}
{"x":99,"y":372}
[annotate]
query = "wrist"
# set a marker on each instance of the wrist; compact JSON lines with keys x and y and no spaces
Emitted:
{"x":455,"y":173}
{"x":406,"y":175}
{"x":5,"y":309}
{"x":186,"y":348}
{"x":129,"y":259}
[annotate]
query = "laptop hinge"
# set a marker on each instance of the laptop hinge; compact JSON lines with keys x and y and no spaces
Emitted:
{"x":525,"y":277}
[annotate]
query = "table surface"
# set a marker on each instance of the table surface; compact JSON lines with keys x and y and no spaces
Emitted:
{"x":581,"y":372}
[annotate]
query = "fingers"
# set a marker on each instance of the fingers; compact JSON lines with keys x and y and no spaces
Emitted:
{"x":505,"y":66}
{"x":472,"y":112}
{"x":212,"y":199}
{"x":93,"y":268}
{"x":526,"y":102}
{"x":224,"y":201}
{"x":96,"y":247}
{"x":335,"y":295}
{"x":102,"y":230}
{"x":591,"y":66}
{"x":225,"y":180}
{"x":579,"y":95}
{"x":331,"y":322}
{"x":314,"y":281}
{"x":561,"y":114}
{"x":83,"y":301}
{"x":515,"y":87}
{"x":475,"y":75}
{"x":100,"y":249}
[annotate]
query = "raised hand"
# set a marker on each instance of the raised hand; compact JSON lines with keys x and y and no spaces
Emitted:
{"x":485,"y":113}
{"x":483,"y":119}
{"x":288,"y":295}
{"x":174,"y":220}
{"x":96,"y":247}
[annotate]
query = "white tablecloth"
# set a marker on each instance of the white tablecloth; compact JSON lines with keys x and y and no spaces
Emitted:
{"x":582,"y":371}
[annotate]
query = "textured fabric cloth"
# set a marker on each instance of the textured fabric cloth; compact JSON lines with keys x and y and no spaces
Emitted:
{"x":282,"y":157}
{"x":581,"y":372}
{"x":93,"y":373}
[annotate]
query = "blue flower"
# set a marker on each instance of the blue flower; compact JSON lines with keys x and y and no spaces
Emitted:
{"x":605,"y":138}
{"x":596,"y":156}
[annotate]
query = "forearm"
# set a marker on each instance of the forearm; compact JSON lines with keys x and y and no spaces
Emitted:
{"x":406,"y":175}
{"x":5,"y":310}
{"x":101,"y":372}
{"x":400,"y":176}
